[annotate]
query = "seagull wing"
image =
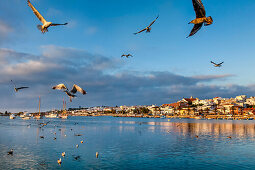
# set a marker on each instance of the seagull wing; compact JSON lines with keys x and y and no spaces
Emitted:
{"x":38,"y":15}
{"x":19,"y":88}
{"x":59,"y":87}
{"x":153,"y":22}
{"x":195,"y":29}
{"x":140,"y":31}
{"x":123,"y":55}
{"x":58,"y":24}
{"x":199,"y":8}
{"x":221,"y":63}
{"x":77,"y":88}
{"x":213,"y":63}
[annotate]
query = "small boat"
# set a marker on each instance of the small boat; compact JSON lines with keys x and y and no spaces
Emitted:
{"x":52,"y":115}
{"x":197,"y":117}
{"x":12,"y":116}
{"x":39,"y":116}
{"x":25,"y":118}
{"x":63,"y":116}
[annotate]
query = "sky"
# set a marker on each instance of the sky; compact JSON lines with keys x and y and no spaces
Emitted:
{"x":166,"y":65}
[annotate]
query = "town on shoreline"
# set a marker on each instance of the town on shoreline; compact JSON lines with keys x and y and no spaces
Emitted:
{"x":236,"y":108}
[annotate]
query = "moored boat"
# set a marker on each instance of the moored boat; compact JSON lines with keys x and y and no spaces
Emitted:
{"x":12,"y":116}
{"x":52,"y":115}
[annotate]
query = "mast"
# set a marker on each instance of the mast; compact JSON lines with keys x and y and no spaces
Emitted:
{"x":39,"y":104}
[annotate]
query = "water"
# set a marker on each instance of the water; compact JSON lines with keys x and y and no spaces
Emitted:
{"x":127,"y":143}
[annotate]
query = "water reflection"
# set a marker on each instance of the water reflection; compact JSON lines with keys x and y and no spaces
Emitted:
{"x":133,"y":143}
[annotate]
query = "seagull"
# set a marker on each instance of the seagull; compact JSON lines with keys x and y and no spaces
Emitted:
{"x":77,"y":146}
{"x":18,"y":88}
{"x":77,"y":134}
{"x":77,"y":88}
{"x":200,"y":17}
{"x":43,"y":28}
{"x":59,"y":161}
{"x":77,"y":157}
{"x":70,"y":93}
{"x":59,"y":87}
{"x":217,"y":65}
{"x":10,"y":152}
{"x":147,"y":29}
{"x":63,"y":154}
{"x":127,"y":56}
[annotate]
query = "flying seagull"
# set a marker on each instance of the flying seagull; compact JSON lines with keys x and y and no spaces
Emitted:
{"x":147,"y":29}
{"x":127,"y":56}
{"x":18,"y":88}
{"x":217,"y":65}
{"x":70,"y":93}
{"x":43,"y":28}
{"x":200,"y":17}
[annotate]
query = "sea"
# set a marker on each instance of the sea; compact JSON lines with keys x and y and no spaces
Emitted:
{"x":127,"y":143}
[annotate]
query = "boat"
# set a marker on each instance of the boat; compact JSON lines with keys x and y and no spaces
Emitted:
{"x":63,"y":115}
{"x":25,"y":118}
{"x":12,"y":116}
{"x":197,"y":117}
{"x":52,"y":115}
{"x":38,"y":116}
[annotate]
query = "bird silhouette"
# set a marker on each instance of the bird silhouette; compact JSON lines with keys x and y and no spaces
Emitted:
{"x":200,"y":17}
{"x":148,"y":28}
{"x":127,"y":56}
{"x":43,"y":28}
{"x":217,"y":65}
{"x":16,"y":89}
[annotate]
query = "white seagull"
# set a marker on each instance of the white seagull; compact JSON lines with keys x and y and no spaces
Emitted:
{"x":43,"y":28}
{"x":71,"y":92}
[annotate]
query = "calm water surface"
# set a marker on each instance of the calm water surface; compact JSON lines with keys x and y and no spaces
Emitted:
{"x":127,"y":143}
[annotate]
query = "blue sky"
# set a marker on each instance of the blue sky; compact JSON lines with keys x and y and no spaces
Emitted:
{"x":100,"y":31}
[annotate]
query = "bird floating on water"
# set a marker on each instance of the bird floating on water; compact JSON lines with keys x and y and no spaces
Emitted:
{"x":77,"y":146}
{"x":63,"y":154}
{"x":43,"y":28}
{"x":97,"y":154}
{"x":77,"y":134}
{"x":229,"y":137}
{"x":127,"y":56}
{"x":147,"y":29}
{"x":82,"y":141}
{"x":200,"y":17}
{"x":70,"y":93}
{"x":18,"y":88}
{"x":42,"y":137}
{"x":59,"y":161}
{"x":10,"y":152}
{"x":217,"y":65}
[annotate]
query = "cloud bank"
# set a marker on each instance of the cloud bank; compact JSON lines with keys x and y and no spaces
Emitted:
{"x":101,"y":77}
